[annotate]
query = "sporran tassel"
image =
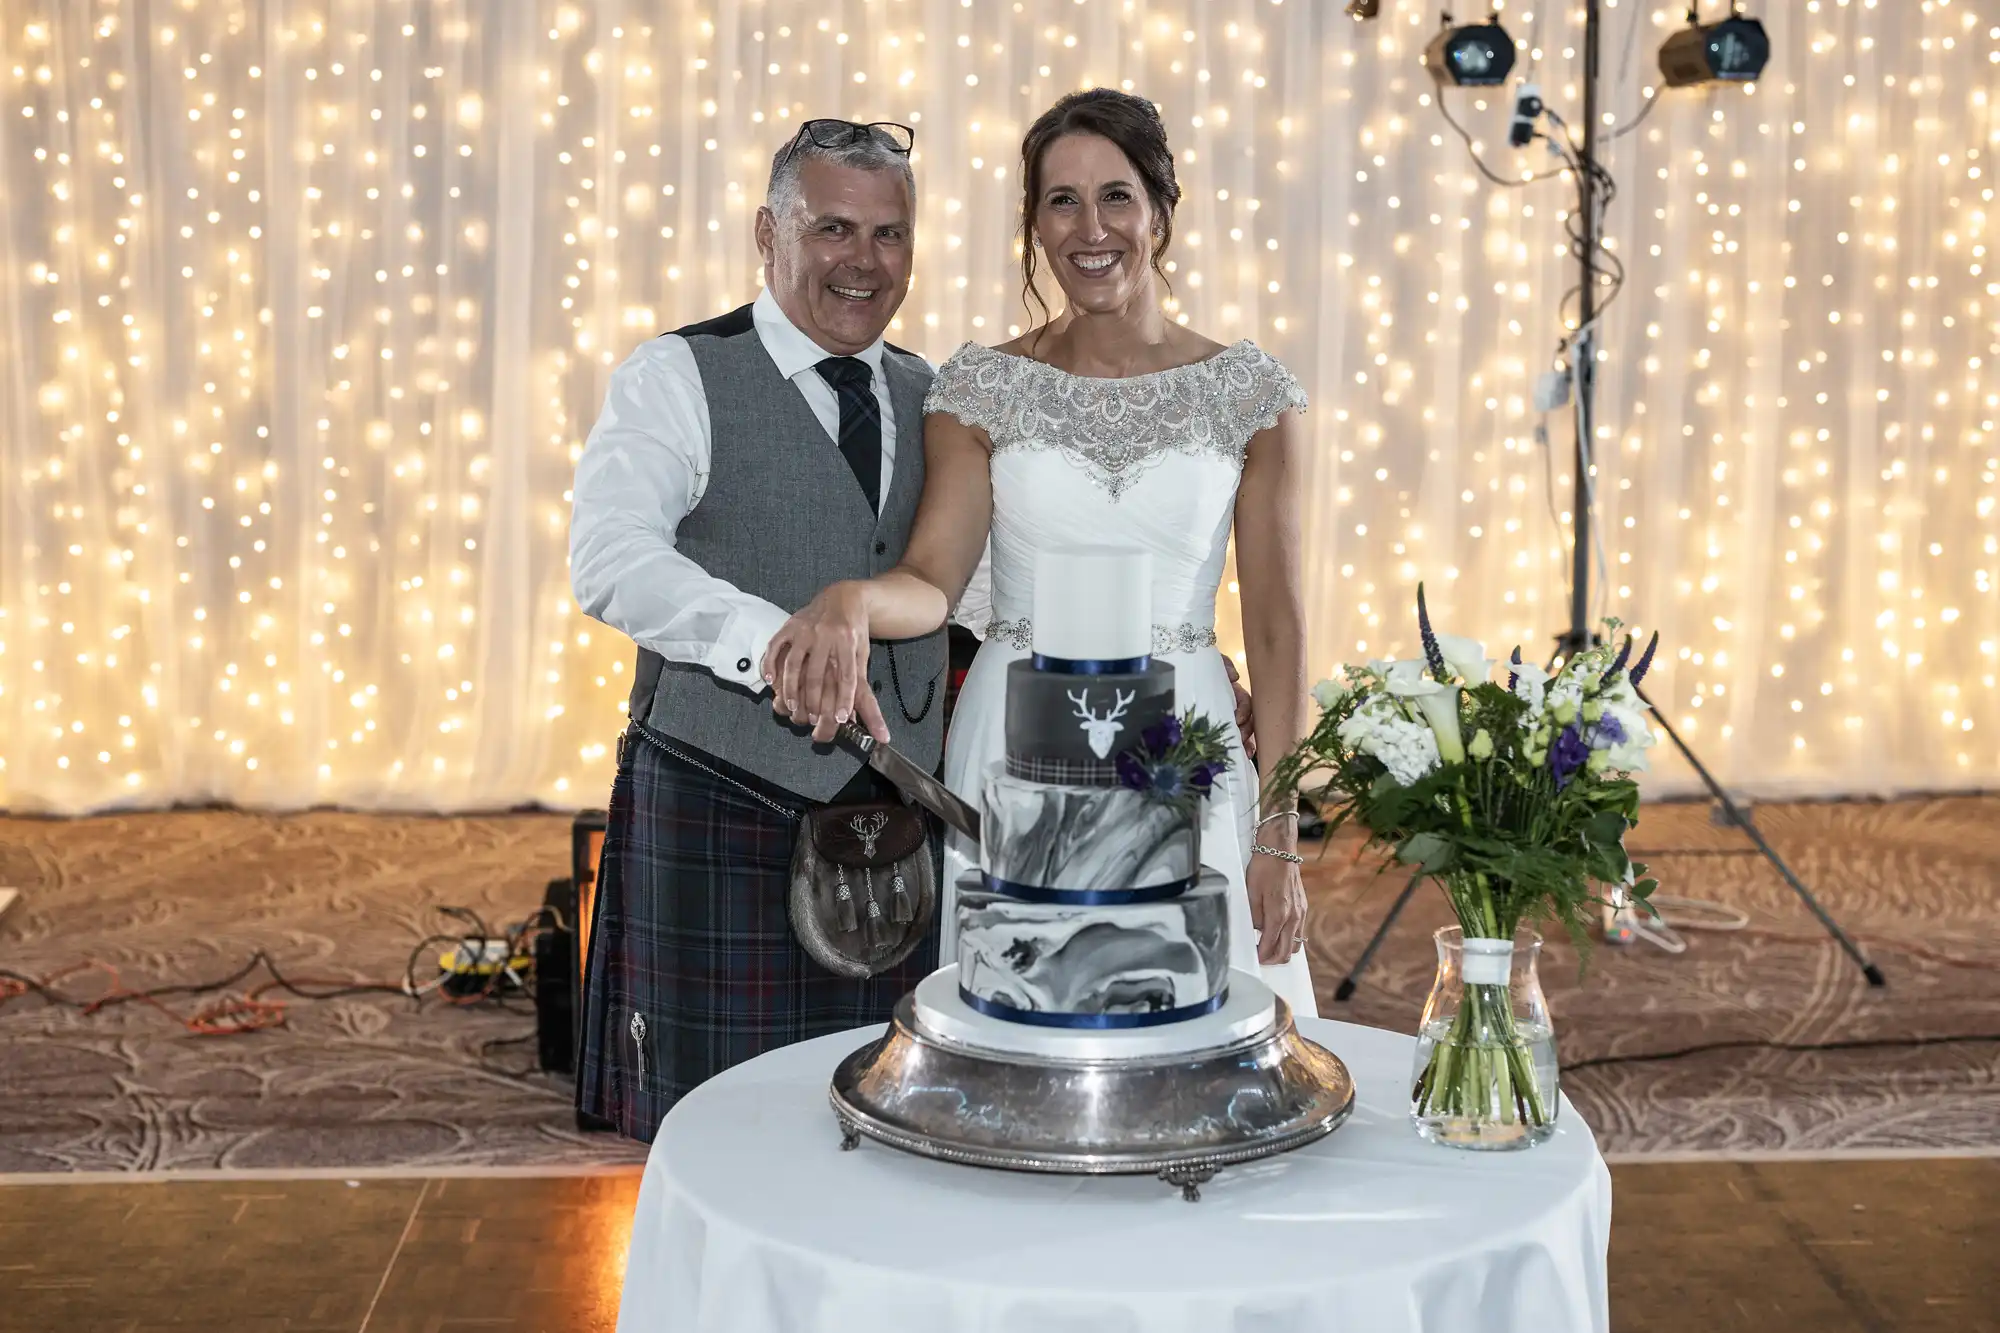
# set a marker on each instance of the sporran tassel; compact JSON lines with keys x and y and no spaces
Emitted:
{"x":900,"y":909}
{"x":874,"y":913}
{"x":844,"y":900}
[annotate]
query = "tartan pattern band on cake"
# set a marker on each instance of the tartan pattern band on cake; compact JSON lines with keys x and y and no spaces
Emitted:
{"x":1063,"y":772}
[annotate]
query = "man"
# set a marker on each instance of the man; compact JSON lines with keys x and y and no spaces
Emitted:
{"x":740,"y":465}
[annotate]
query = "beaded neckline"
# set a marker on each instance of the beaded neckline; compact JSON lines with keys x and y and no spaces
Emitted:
{"x":1206,"y":363}
{"x":1116,"y":430}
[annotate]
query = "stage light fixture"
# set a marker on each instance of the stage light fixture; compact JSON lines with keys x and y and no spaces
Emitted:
{"x":1472,"y":55}
{"x":1731,"y":50}
{"x":1364,"y":9}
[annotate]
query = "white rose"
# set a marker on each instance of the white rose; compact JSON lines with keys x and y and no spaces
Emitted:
{"x":1328,"y":693}
{"x":1530,"y":683}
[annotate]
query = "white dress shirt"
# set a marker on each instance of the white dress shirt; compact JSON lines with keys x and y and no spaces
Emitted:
{"x":645,"y":467}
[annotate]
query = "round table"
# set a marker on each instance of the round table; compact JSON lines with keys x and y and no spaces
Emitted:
{"x":751,"y":1220}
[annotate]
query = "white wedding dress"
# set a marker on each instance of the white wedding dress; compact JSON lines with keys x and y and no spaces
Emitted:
{"x":1149,"y":463}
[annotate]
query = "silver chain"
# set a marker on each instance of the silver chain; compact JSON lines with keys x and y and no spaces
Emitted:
{"x":645,"y":733}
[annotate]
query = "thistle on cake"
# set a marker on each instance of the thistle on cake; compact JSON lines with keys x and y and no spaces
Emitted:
{"x":1177,"y":760}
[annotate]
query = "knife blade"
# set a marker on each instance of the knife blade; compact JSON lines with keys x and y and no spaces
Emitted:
{"x":914,"y":782}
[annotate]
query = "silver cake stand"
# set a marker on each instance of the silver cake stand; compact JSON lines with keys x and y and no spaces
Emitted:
{"x":1182,"y":1118}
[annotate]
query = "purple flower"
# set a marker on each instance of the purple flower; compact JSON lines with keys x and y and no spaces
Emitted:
{"x":1433,"y":654}
{"x":1204,"y":776}
{"x":1162,"y":736}
{"x":1514,"y":677}
{"x":1645,"y":660}
{"x":1131,"y":772}
{"x":1608,"y":732}
{"x":1567,"y":755}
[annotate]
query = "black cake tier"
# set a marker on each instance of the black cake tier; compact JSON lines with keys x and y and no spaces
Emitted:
{"x":1067,"y":728}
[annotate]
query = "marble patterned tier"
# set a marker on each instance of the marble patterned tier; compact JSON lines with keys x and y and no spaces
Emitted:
{"x":1125,"y":963}
{"x":941,"y":1012}
{"x":1084,"y":839}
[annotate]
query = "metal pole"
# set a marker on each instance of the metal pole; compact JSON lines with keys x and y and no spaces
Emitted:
{"x":1583,"y":355}
{"x":1353,"y":977}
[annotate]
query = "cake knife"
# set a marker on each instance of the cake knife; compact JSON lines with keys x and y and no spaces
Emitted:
{"x":920,"y":786}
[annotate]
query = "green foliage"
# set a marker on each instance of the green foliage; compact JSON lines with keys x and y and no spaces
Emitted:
{"x":1501,"y":835}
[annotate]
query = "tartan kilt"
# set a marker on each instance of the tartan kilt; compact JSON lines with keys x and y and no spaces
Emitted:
{"x":693,"y":966}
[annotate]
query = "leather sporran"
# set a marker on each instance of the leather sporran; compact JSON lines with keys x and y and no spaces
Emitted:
{"x":864,"y":888}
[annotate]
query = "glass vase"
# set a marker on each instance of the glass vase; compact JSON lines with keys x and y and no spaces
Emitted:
{"x":1485,"y":1072}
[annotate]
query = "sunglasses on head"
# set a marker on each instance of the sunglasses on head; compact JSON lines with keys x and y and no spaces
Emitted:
{"x":845,"y":133}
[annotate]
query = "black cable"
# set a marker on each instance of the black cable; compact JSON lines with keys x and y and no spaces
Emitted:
{"x":1796,"y":1047}
{"x":53,"y":996}
{"x":1639,"y":120}
{"x":1480,"y":162}
{"x":49,"y":994}
{"x":514,"y":941}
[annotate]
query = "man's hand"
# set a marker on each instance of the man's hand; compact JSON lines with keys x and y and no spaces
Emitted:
{"x":1246,"y":720}
{"x":817,"y":665}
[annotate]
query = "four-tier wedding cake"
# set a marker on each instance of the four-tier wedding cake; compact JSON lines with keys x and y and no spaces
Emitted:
{"x":1091,"y":920}
{"x":1090,"y":1021}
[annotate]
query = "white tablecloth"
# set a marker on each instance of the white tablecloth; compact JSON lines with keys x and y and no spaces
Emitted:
{"x":751,"y":1220}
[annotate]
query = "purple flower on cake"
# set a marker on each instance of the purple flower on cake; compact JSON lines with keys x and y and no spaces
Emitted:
{"x":1162,"y":736}
{"x":1176,"y":761}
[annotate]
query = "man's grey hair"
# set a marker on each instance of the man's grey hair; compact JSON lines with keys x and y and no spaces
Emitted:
{"x":869,"y":153}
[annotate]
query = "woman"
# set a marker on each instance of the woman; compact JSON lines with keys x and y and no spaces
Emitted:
{"x":1107,"y":425}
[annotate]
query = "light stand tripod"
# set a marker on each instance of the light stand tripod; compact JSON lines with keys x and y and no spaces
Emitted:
{"x":1579,"y":635}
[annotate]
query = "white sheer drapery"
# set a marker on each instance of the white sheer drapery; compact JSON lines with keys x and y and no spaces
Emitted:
{"x":306,"y":308}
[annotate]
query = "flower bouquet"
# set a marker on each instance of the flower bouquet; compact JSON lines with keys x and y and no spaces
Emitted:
{"x":1515,"y":798}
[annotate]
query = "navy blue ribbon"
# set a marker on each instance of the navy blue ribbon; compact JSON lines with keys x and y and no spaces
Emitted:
{"x":1035,"y":893}
{"x":1093,"y":666}
{"x":1007,"y":1013}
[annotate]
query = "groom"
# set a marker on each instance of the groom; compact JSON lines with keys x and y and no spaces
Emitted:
{"x":741,"y":465}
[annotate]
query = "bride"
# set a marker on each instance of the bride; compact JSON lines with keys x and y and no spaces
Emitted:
{"x":1108,"y":425}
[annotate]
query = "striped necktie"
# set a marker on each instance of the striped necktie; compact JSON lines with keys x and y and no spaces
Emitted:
{"x":860,"y":421}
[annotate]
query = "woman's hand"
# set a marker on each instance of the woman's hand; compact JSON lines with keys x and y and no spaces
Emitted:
{"x":1246,"y":713}
{"x":817,"y":664}
{"x":1277,"y":907}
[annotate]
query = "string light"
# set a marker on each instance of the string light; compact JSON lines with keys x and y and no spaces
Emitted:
{"x":306,"y":325}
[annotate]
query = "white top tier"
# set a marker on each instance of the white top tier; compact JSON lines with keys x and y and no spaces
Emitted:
{"x":1093,"y":602}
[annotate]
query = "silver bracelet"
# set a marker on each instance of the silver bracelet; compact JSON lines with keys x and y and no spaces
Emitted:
{"x":1293,"y":857}
{"x":1282,"y":814}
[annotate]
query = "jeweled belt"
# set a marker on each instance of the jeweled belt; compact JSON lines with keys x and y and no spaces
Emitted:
{"x":1185,"y":637}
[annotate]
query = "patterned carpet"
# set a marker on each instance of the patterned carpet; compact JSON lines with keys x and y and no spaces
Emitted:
{"x":373,"y":1080}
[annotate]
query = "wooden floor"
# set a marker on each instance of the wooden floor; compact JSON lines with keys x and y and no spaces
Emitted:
{"x":1899,"y":1246}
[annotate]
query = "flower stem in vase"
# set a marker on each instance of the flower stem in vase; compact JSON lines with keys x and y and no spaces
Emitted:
{"x":1479,"y":1086}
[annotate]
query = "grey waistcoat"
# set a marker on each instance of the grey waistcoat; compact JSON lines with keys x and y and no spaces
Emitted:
{"x":783,"y":517}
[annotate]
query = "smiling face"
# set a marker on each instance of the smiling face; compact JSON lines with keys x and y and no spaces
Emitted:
{"x":1096,"y":224}
{"x":838,"y":258}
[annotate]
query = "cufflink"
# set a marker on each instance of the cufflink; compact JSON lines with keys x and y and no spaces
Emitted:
{"x":742,"y":664}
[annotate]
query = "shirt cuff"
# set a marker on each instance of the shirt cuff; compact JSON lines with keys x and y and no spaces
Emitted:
{"x":738,"y":655}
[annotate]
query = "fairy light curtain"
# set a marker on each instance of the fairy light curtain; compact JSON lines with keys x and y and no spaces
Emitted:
{"x":306,"y":309}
